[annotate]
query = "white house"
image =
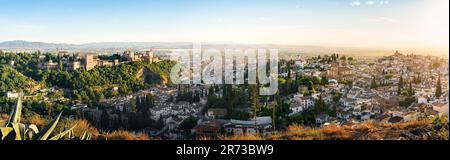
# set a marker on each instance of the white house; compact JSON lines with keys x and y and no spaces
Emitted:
{"x":422,"y":100}
{"x":333,"y":81}
{"x":299,"y":104}
{"x":348,"y":102}
{"x":262,"y":125}
{"x":12,"y":95}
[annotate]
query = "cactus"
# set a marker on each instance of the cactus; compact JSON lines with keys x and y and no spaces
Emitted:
{"x":14,"y":130}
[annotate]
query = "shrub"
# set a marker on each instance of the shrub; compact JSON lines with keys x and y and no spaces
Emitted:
{"x":15,"y":130}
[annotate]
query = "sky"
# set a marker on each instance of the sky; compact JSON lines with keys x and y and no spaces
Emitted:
{"x":350,"y":23}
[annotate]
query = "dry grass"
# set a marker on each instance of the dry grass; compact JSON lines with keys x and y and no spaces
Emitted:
{"x":297,"y":132}
{"x":407,"y":125}
{"x":4,"y":116}
{"x":335,"y":132}
{"x":37,"y":120}
{"x":243,"y":137}
{"x":367,"y":127}
{"x":300,"y":133}
{"x":82,"y":126}
{"x":370,"y":130}
{"x":204,"y":138}
{"x":122,"y":135}
{"x":3,"y":119}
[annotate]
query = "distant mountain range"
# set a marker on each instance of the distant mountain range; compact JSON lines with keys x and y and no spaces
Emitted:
{"x":102,"y":46}
{"x":28,"y":45}
{"x":114,"y":46}
{"x":20,"y":44}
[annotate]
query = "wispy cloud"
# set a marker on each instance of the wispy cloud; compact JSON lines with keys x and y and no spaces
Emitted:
{"x":356,"y":3}
{"x":370,"y":3}
{"x":384,"y":2}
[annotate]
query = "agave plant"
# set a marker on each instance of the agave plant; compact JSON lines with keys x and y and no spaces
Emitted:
{"x":14,"y":130}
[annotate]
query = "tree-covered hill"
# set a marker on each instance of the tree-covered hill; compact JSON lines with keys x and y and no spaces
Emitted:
{"x":12,"y":80}
{"x":99,"y":82}
{"x":86,"y":86}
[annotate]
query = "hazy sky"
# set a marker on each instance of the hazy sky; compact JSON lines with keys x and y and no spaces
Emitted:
{"x":352,"y":23}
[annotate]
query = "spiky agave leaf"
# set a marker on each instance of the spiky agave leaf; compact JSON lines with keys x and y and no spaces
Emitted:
{"x":5,"y":132}
{"x":30,"y":131}
{"x":22,"y":130}
{"x":17,"y":131}
{"x":33,"y":128}
{"x":61,"y":135}
{"x":45,"y":133}
{"x":88,"y":137}
{"x":16,"y":113}
{"x":70,"y":135}
{"x":84,"y":136}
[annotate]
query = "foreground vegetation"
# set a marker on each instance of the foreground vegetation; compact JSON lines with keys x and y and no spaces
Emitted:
{"x":15,"y":130}
{"x":427,"y":129}
{"x":57,"y":129}
{"x":64,"y":129}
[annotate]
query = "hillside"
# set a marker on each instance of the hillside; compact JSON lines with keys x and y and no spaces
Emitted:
{"x":11,"y":79}
{"x":434,"y":129}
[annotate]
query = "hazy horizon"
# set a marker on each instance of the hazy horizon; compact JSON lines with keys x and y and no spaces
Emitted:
{"x":374,"y":24}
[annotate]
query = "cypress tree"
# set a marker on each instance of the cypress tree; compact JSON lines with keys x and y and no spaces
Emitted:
{"x":438,"y":87}
{"x":254,"y":100}
{"x":319,"y":106}
{"x":411,"y":90}
{"x":400,"y":85}
{"x":374,"y":84}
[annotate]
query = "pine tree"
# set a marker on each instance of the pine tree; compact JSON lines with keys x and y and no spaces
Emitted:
{"x":438,"y":87}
